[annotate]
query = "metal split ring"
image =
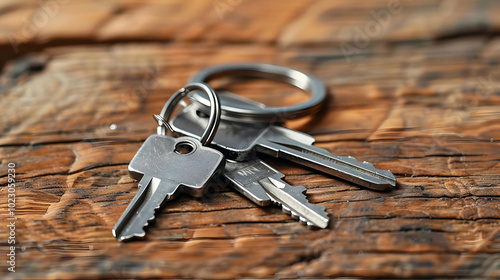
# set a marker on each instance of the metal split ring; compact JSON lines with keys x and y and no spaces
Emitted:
{"x":214,"y":117}
{"x":304,"y":81}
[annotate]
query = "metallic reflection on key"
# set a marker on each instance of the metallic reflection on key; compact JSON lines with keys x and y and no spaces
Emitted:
{"x":240,"y":142}
{"x":263,"y":185}
{"x":164,"y":171}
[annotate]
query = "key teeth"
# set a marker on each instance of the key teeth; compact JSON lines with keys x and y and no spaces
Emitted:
{"x":384,"y":173}
{"x":319,"y":209}
{"x":274,"y":201}
{"x":353,"y":160}
{"x":301,"y":189}
{"x":142,"y":232}
{"x":153,"y":216}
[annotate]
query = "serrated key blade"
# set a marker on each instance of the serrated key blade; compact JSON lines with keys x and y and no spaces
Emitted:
{"x":346,"y":167}
{"x":151,"y":195}
{"x":292,"y":199}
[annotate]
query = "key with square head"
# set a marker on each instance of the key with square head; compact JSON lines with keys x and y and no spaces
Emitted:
{"x":263,"y":184}
{"x":240,"y":142}
{"x":167,"y":166}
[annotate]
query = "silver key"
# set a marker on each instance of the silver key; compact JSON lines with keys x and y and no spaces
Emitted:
{"x":167,"y":166}
{"x":263,"y":184}
{"x":240,"y":142}
{"x":245,"y":177}
{"x":165,"y":171}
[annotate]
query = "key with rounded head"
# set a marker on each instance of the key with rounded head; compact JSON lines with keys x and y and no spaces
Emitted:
{"x":167,"y":166}
{"x":263,"y":184}
{"x":241,"y":141}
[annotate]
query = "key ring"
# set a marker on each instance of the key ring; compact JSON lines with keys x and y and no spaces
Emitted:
{"x":304,"y":81}
{"x":213,"y":120}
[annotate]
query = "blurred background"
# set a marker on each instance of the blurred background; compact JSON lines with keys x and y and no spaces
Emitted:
{"x":413,"y":87}
{"x":369,"y":51}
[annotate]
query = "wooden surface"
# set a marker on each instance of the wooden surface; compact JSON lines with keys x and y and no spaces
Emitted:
{"x":417,"y":93}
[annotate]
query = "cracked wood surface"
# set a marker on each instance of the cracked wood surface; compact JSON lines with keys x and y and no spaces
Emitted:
{"x":419,"y":97}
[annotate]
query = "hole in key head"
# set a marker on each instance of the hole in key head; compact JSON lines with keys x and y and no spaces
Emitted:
{"x":201,"y":114}
{"x":184,"y":148}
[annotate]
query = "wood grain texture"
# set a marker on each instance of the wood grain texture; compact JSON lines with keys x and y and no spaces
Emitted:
{"x":418,"y":94}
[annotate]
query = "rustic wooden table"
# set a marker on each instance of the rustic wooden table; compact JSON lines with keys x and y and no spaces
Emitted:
{"x":414,"y":87}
